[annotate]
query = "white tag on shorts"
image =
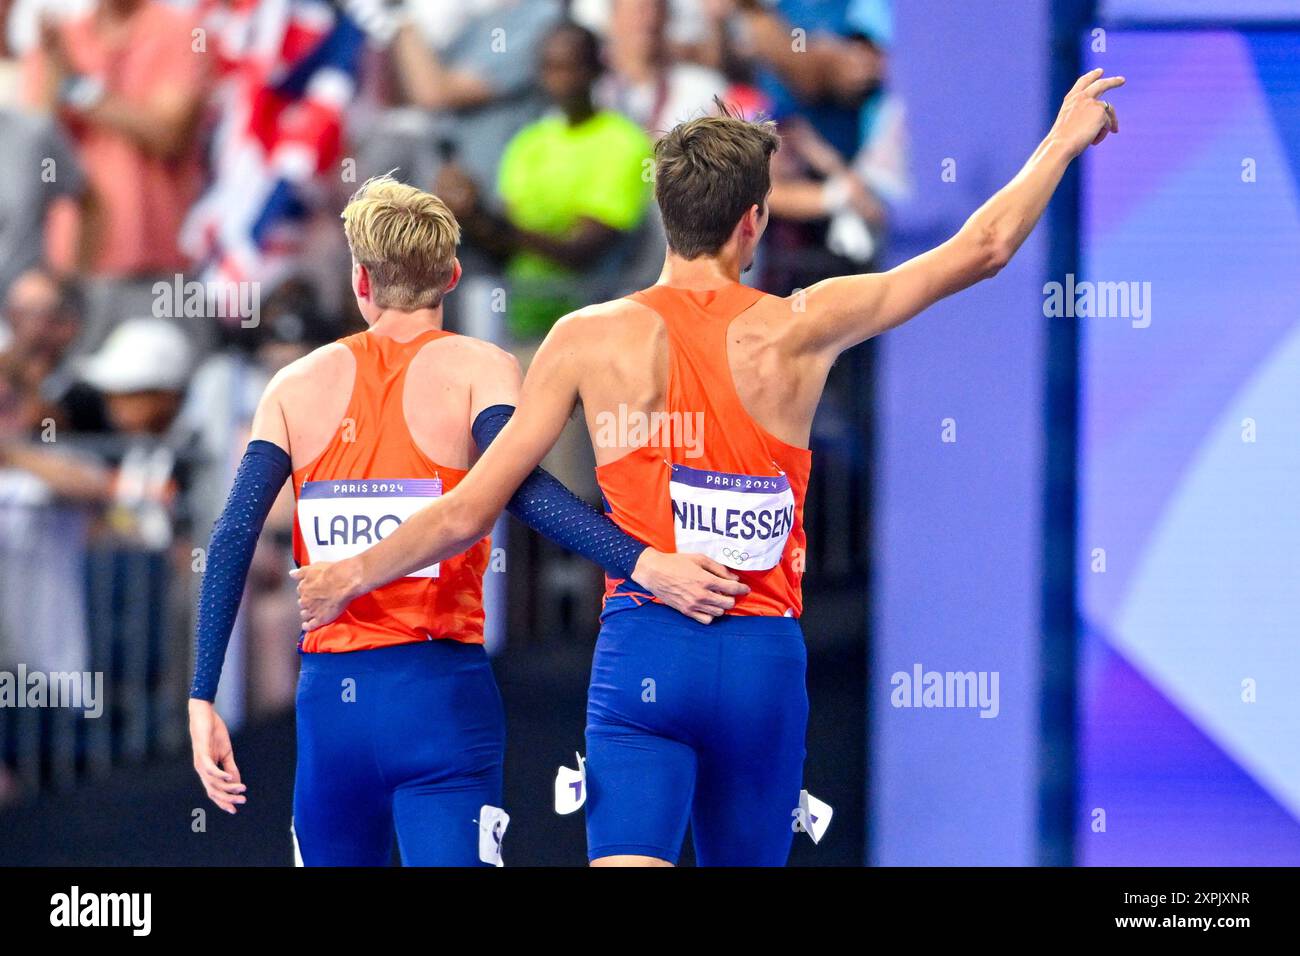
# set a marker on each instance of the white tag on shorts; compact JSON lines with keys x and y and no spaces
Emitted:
{"x":571,"y":787}
{"x":813,"y":816}
{"x":741,"y":521}
{"x":340,"y":519}
{"x":492,"y":823}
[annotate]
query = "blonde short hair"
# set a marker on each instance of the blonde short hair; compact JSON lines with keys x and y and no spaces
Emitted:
{"x":406,"y":238}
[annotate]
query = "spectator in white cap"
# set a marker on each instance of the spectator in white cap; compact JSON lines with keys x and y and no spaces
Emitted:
{"x":141,"y":369}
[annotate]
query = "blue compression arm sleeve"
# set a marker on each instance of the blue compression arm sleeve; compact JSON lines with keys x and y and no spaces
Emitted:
{"x":546,"y":506}
{"x":261,"y":474}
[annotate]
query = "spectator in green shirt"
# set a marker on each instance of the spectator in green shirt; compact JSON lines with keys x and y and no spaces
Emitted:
{"x":574,"y":185}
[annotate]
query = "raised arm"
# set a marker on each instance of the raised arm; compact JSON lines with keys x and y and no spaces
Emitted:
{"x":841,"y":312}
{"x":428,"y":83}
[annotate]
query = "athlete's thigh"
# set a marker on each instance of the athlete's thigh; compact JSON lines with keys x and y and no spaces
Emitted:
{"x":443,"y":750}
{"x":751,"y":766}
{"x":639,"y":788}
{"x":342,"y":812}
{"x":440,"y":825}
{"x":650,"y":680}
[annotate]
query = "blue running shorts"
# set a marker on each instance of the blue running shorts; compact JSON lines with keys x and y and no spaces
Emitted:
{"x":698,"y":723}
{"x":407,"y":739}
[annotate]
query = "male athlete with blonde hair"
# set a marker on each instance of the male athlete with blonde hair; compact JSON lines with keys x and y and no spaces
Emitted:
{"x":399,"y":721}
{"x":720,"y":741}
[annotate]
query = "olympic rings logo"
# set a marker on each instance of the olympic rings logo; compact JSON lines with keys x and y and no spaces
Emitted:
{"x":736,"y":555}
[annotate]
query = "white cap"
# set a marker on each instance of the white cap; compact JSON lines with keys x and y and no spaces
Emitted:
{"x":140,"y":355}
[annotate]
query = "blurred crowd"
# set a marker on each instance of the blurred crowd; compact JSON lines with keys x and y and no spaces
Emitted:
{"x":169,"y":239}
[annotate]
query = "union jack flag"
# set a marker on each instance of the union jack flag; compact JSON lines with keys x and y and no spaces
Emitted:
{"x":287,"y":71}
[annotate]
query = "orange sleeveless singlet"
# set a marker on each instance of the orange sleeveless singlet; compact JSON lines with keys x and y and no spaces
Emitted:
{"x":711,"y":480}
{"x":370,"y":478}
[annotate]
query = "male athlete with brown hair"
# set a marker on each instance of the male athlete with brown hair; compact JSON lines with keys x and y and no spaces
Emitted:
{"x":685,"y":722}
{"x":399,"y":720}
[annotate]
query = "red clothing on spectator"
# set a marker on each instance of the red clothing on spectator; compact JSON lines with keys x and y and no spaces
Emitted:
{"x":142,"y":197}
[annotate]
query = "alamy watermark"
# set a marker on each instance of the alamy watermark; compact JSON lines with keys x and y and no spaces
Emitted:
{"x":631,"y":428}
{"x":946,"y":689}
{"x":179,"y":299}
{"x":133,"y":911}
{"x":1098,"y":300}
{"x":74,"y":690}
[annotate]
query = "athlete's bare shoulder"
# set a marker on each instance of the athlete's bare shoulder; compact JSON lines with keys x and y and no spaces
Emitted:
{"x":323,"y":370}
{"x":455,"y":369}
{"x":610,"y":310}
{"x":467,"y":357}
{"x":305,"y":400}
{"x":605,"y":353}
{"x":600,"y":329}
{"x":775,"y":320}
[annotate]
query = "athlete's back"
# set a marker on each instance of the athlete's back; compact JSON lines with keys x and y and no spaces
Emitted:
{"x":435,"y":398}
{"x":378,"y":425}
{"x":711,"y":429}
{"x":625,"y":365}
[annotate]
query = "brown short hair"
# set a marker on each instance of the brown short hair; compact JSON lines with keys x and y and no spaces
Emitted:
{"x":708,"y":172}
{"x":406,"y":238}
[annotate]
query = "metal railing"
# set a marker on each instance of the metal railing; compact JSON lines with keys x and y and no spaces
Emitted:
{"x":94,"y":635}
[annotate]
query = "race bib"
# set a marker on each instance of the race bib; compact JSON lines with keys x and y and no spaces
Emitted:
{"x":741,"y":521}
{"x":340,"y":519}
